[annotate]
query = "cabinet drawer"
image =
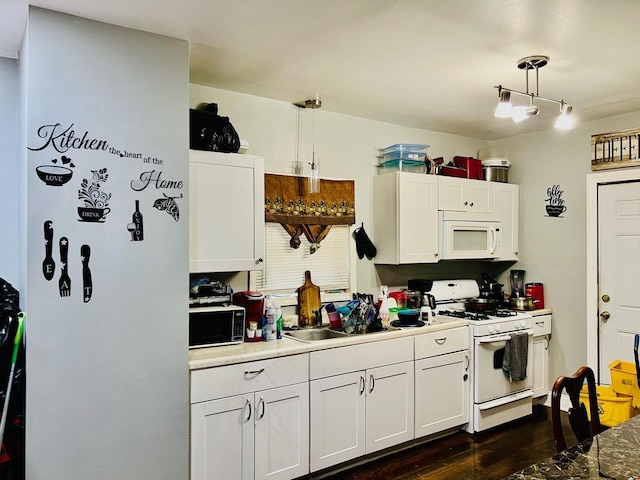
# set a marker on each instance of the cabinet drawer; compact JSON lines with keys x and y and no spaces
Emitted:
{"x":219,"y":382}
{"x":441,"y":342}
{"x":542,"y":325}
{"x":336,"y":361}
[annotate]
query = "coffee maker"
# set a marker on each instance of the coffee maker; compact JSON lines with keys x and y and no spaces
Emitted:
{"x":253,"y":303}
{"x":517,"y":284}
{"x":490,"y":288}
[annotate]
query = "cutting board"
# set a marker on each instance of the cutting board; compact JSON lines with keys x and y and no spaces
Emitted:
{"x":308,"y":301}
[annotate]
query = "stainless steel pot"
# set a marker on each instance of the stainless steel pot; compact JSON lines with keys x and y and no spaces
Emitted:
{"x":496,"y":174}
{"x":522,"y":303}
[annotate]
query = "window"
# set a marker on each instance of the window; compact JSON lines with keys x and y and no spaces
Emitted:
{"x":284,"y":267}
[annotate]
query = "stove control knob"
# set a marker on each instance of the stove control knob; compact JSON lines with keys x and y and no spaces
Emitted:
{"x":497,"y":328}
{"x":523,"y":324}
{"x":491,"y":330}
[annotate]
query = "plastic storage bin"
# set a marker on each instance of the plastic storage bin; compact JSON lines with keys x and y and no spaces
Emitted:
{"x":624,"y":380}
{"x":613,"y":408}
{"x":415,"y":166}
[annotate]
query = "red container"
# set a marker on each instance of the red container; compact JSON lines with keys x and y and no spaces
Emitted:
{"x":535,"y":291}
{"x":473,"y":167}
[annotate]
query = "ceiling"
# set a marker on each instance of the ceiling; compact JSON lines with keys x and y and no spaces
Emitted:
{"x":429,"y":64}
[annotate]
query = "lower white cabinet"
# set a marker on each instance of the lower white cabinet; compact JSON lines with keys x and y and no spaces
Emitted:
{"x":363,"y":411}
{"x":442,"y":381}
{"x":254,"y":434}
{"x":541,"y":334}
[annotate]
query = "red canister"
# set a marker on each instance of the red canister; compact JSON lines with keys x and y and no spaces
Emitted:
{"x":535,"y":291}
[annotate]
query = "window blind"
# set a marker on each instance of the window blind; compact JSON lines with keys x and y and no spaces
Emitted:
{"x":285,"y":266}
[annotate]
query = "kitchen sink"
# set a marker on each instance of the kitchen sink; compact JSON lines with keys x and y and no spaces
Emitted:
{"x":325,"y":333}
{"x":313,"y":334}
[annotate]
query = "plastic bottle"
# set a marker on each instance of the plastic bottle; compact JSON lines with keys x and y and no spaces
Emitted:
{"x":271,"y":321}
{"x":279,"y":322}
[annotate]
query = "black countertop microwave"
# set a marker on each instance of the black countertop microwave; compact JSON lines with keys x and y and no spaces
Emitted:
{"x":217,"y":325}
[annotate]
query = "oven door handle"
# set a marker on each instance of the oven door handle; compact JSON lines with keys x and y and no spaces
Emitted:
{"x":503,"y":338}
{"x":498,"y":402}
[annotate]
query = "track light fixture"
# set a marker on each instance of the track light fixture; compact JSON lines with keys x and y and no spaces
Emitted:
{"x":521,"y":112}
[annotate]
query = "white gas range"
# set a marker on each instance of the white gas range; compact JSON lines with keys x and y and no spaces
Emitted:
{"x":495,"y":398}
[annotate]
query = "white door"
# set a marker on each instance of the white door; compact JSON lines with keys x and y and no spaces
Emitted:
{"x":282,"y":432}
{"x":221,"y":457}
{"x":390,"y":401}
{"x":448,"y":405}
{"x":337,"y":419}
{"x":619,"y":273}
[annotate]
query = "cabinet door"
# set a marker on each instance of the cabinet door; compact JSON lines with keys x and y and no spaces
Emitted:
{"x":222,"y":436}
{"x":464,"y":195}
{"x":406,"y":218}
{"x":282,"y":432}
{"x":442,"y":393}
{"x":337,"y":419}
{"x":507,"y":204}
{"x":390,"y":402}
{"x":226,"y":217}
{"x":540,"y":366}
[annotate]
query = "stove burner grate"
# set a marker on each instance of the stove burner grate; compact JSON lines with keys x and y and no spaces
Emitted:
{"x":486,"y":315}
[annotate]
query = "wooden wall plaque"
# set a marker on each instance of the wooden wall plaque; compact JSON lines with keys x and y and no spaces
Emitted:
{"x":615,"y":149}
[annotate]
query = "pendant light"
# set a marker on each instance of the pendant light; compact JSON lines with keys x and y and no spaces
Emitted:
{"x":519,"y":113}
{"x":314,"y":177}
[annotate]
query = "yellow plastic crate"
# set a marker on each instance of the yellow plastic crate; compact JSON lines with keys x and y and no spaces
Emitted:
{"x":624,"y":380}
{"x":613,"y":409}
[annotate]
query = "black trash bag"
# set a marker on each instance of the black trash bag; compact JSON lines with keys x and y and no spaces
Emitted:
{"x":9,"y":298}
{"x":209,"y":131}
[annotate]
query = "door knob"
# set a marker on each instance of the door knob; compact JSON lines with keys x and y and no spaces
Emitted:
{"x":605,"y":315}
{"x":606,"y":298}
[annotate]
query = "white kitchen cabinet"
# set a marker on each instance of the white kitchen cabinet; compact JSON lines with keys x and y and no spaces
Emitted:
{"x":540,"y":371}
{"x":362,"y":400}
{"x":507,"y":204}
{"x":251,"y":420}
{"x":465,"y":195}
{"x":405,"y":218}
{"x":442,"y":369}
{"x":226,"y":212}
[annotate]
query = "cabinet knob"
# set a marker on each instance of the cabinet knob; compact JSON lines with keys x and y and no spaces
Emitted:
{"x":471,"y":204}
{"x":466,"y":203}
{"x":260,"y":260}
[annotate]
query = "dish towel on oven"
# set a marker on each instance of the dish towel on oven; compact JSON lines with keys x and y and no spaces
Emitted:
{"x":514,"y":364}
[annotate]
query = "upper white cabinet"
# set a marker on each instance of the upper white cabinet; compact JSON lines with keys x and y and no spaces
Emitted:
{"x":507,"y":204}
{"x":226,"y":218}
{"x":405,"y":207}
{"x":465,"y":195}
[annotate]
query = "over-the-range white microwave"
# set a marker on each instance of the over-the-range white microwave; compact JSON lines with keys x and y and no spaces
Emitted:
{"x":467,"y":236}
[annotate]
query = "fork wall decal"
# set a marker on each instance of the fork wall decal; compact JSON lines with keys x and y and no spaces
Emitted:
{"x":64,"y":284}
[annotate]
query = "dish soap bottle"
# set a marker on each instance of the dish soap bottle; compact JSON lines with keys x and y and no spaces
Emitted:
{"x":279,"y":323}
{"x":271,"y":321}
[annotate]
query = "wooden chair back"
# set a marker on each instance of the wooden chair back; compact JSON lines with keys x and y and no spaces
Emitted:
{"x":582,"y":427}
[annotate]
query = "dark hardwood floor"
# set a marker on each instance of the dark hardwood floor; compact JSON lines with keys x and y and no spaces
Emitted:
{"x":489,"y":455}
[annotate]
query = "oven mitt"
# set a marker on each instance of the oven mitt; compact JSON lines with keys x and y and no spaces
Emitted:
{"x":364,"y":246}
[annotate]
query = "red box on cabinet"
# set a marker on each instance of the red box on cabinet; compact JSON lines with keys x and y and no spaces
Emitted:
{"x":473,"y":166}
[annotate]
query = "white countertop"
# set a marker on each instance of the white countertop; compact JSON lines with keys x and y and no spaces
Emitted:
{"x":541,"y":311}
{"x":251,"y":351}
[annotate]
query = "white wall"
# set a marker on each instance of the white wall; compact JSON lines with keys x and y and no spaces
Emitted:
{"x":9,"y":103}
{"x":553,"y":250}
{"x":108,"y":387}
{"x":346,"y":146}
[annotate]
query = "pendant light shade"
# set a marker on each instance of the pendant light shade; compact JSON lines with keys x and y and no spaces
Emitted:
{"x":504,"y":108}
{"x":564,"y":121}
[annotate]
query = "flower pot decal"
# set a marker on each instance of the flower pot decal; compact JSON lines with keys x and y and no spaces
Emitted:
{"x":556,"y":204}
{"x":95,"y":201}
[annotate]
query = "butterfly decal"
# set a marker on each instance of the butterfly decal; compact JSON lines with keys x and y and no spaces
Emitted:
{"x":169,"y":205}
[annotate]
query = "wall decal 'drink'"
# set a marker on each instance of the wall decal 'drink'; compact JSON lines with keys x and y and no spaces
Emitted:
{"x":95,"y":201}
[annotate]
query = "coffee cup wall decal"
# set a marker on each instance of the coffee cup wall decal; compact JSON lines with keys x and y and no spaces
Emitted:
{"x":556,"y":204}
{"x":95,"y":201}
